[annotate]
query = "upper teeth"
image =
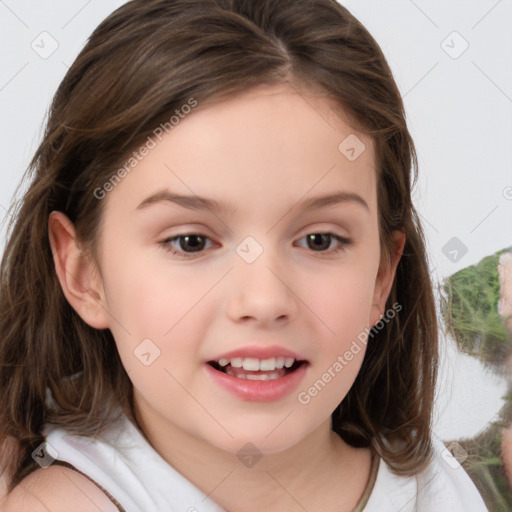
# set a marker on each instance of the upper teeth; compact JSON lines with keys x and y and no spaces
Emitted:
{"x":253,"y":364}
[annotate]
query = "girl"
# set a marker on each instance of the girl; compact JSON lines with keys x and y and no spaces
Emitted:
{"x":215,"y":293}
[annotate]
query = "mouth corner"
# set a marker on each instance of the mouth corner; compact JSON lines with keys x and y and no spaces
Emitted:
{"x":215,"y":365}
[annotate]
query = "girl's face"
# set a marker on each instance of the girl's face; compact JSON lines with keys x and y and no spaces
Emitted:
{"x":211,"y":255}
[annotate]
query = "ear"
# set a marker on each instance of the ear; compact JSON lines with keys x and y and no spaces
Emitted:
{"x":386,"y":276}
{"x":78,"y":276}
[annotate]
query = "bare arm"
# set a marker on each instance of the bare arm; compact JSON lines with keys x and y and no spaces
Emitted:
{"x":56,"y":489}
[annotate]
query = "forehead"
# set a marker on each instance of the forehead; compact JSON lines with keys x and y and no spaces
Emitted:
{"x":273,"y":143}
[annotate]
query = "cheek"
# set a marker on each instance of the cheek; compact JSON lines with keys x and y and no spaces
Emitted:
{"x":148,"y":299}
{"x":342,"y":299}
{"x":155,"y":324}
{"x":156,"y":301}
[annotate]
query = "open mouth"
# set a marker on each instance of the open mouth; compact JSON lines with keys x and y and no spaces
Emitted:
{"x":257,"y":369}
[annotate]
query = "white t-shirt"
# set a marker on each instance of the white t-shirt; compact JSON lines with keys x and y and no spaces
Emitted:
{"x":141,"y":480}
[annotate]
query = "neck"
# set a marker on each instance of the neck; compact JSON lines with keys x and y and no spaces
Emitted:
{"x":321,"y":472}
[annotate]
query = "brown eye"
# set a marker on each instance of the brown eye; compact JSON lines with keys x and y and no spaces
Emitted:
{"x":187,"y":244}
{"x":321,"y":242}
{"x":193,"y":242}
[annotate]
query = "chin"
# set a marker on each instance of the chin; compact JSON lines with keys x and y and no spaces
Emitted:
{"x":264,"y":440}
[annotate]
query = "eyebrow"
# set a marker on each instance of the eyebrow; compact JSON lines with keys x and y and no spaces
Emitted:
{"x":200,"y":203}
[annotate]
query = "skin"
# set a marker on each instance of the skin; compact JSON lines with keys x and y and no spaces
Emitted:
{"x":264,"y":151}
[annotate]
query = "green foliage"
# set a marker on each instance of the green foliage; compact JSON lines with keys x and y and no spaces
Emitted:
{"x":469,"y":306}
{"x":485,"y":466}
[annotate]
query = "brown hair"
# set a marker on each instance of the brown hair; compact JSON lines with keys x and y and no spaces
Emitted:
{"x":142,"y":63}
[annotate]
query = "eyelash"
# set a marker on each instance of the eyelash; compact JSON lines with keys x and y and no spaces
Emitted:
{"x":344,"y":242}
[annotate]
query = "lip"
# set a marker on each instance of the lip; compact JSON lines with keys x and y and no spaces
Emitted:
{"x":258,"y":390}
{"x":260,"y":353}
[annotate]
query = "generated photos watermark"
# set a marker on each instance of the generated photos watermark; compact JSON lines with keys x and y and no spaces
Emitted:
{"x":305,"y":397}
{"x":143,"y":151}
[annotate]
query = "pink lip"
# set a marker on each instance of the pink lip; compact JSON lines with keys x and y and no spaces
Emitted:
{"x":258,"y":390}
{"x":260,"y":353}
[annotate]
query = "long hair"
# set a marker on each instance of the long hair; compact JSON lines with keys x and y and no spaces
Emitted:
{"x":144,"y":61}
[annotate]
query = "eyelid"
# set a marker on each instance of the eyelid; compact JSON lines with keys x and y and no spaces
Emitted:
{"x":342,"y":241}
{"x":165,"y":243}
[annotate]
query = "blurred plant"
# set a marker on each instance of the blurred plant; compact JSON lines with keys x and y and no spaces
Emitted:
{"x":485,"y":466}
{"x":469,"y":307}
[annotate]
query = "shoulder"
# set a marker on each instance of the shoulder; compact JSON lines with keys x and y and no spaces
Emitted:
{"x":442,"y":485}
{"x":56,"y":489}
{"x":445,"y":481}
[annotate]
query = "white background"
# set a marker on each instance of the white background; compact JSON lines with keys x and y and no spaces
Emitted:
{"x":459,"y":112}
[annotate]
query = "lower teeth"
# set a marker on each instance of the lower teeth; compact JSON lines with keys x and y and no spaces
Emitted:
{"x":255,"y":376}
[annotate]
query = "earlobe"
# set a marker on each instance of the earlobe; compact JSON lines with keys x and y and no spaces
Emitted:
{"x":386,"y":276}
{"x":77,"y":274}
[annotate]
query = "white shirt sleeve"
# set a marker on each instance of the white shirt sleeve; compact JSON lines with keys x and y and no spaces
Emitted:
{"x":444,"y":485}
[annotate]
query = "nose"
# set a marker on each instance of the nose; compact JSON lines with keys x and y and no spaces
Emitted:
{"x":261,"y":292}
